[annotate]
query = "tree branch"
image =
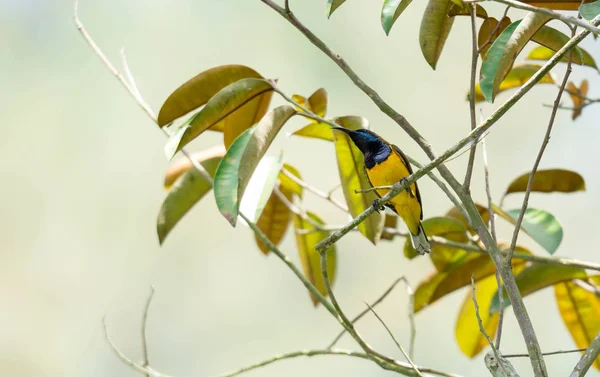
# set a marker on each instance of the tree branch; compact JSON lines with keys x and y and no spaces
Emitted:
{"x":145,"y":361}
{"x":590,"y":27}
{"x":588,"y":358}
{"x":474,"y":59}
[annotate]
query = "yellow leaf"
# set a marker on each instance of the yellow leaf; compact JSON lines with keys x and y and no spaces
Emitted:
{"x":462,"y":10}
{"x":578,"y":96}
{"x":483,"y":211}
{"x":287,"y":183}
{"x":580,"y":311}
{"x":274,"y":219}
{"x":245,"y":117}
{"x":351,"y":168}
{"x":182,"y":165}
{"x":435,"y":27}
{"x":309,"y":256}
{"x":316,"y":131}
{"x":549,"y":180}
{"x":515,"y":78}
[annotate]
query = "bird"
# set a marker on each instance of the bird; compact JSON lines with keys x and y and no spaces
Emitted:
{"x":385,"y":165}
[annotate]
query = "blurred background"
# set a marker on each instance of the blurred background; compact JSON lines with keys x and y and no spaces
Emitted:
{"x":82,"y":168}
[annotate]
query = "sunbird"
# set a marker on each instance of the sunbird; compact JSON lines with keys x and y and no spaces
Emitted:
{"x":385,"y":164}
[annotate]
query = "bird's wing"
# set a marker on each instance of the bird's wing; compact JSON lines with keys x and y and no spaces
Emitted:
{"x":409,"y":168}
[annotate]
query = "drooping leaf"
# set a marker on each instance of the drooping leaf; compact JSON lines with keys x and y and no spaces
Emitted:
{"x":591,"y":10}
{"x":276,"y":216}
{"x":458,"y":275}
{"x":222,"y":104}
{"x":351,"y":168}
{"x":536,"y":277}
{"x":543,"y":227}
{"x":442,"y":256}
{"x":578,"y":96}
{"x":548,"y":180}
{"x":501,"y":56}
{"x":317,"y":102}
{"x":485,"y":37}
{"x":544,"y":53}
{"x":392,"y":9}
{"x":187,"y":190}
{"x":435,"y":28}
{"x":309,"y":256}
{"x":390,"y":222}
{"x":467,"y":333}
{"x":182,"y":165}
{"x":332,"y":5}
{"x":241,"y":160}
{"x":198,"y":90}
{"x":554,"y":40}
{"x":316,"y":131}
{"x":515,"y":78}
{"x":457,"y":10}
{"x":580,"y":311}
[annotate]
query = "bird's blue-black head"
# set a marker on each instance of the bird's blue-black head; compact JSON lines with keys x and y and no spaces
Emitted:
{"x":373,"y":147}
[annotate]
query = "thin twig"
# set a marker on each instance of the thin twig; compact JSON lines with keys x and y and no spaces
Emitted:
{"x":482,"y":328}
{"x":587,"y":286}
{"x":474,"y":59}
{"x":587,"y":359}
{"x":395,"y":340}
{"x":545,"y":353}
{"x":145,"y":361}
{"x":316,"y":191}
{"x":559,"y":16}
{"x":373,"y":189}
{"x":545,"y":142}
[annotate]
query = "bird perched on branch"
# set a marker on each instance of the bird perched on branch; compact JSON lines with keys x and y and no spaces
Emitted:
{"x":385,"y":165}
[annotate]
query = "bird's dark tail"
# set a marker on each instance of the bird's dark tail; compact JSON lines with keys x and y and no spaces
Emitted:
{"x":419,"y":241}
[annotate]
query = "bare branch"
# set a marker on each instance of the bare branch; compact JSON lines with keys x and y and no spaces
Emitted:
{"x":145,"y":361}
{"x":559,"y":16}
{"x":545,"y":353}
{"x":327,"y":196}
{"x":539,"y":158}
{"x":482,"y":328}
{"x":474,"y":59}
{"x":373,"y":189}
{"x":588,"y":358}
{"x":395,"y":341}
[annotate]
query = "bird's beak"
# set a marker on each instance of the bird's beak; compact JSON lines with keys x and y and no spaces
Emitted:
{"x":344,"y":130}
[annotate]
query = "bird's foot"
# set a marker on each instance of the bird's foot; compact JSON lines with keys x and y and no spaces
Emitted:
{"x":408,"y":190}
{"x":377,"y":206}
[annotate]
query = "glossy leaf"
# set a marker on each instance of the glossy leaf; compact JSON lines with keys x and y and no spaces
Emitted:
{"x":316,"y":131}
{"x":222,"y":104}
{"x":580,"y":311}
{"x":392,"y":9}
{"x":457,"y":10}
{"x":591,"y":10}
{"x":351,"y":168}
{"x":276,"y":216}
{"x":501,"y":56}
{"x":187,"y":190}
{"x":442,"y":256}
{"x":435,"y":28}
{"x":182,"y":165}
{"x":554,"y":40}
{"x":543,"y":227}
{"x":467,"y":333}
{"x":515,"y":78}
{"x":485,"y":37}
{"x":578,"y":97}
{"x":549,"y":180}
{"x":458,"y":275}
{"x":390,"y":222}
{"x":537,"y":277}
{"x":198,"y":90}
{"x":241,"y":160}
{"x":309,"y":256}
{"x":332,"y":5}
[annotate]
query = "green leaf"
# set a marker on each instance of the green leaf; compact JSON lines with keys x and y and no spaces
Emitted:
{"x":222,"y":104}
{"x":198,"y":90}
{"x":243,"y":156}
{"x":545,"y":54}
{"x":591,"y":10}
{"x":261,"y":185}
{"x":441,"y":256}
{"x":515,"y":78}
{"x":501,"y":56}
{"x":554,"y":40}
{"x":435,"y":28}
{"x":309,"y":256}
{"x":537,"y":277}
{"x":188,"y":189}
{"x":392,"y":9}
{"x":549,"y":180}
{"x":543,"y":227}
{"x":332,"y":5}
{"x":351,"y":168}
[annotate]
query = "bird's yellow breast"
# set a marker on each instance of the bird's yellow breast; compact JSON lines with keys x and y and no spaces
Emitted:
{"x":387,"y":173}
